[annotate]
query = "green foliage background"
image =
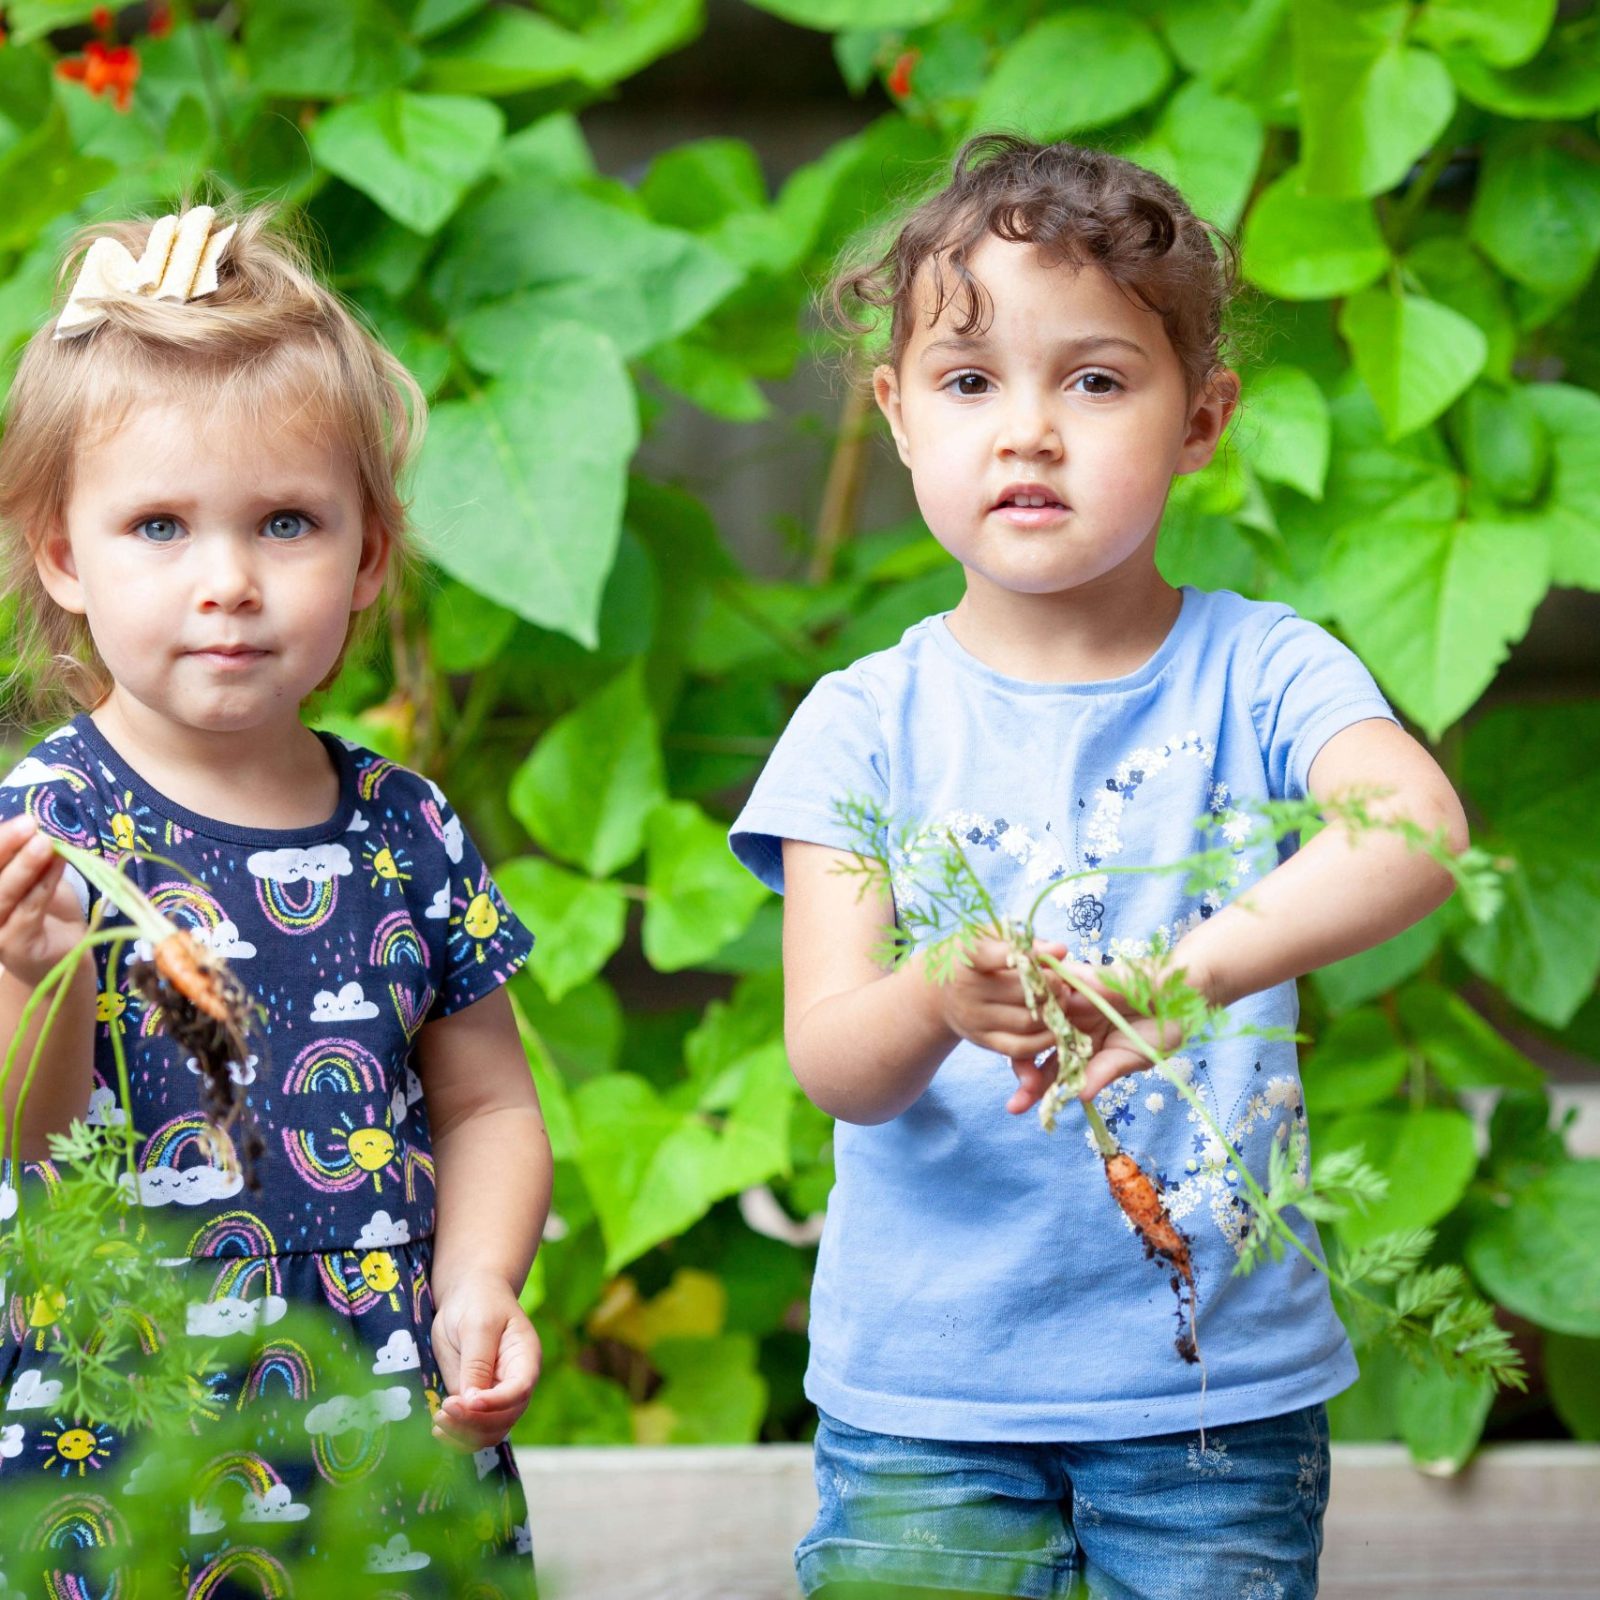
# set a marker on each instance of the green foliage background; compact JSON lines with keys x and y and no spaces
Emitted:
{"x":593,"y":674}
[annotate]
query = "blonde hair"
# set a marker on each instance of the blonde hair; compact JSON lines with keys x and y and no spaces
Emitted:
{"x":269,"y":337}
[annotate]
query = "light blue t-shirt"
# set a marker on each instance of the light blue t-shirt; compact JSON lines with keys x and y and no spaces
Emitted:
{"x":975,"y":1279}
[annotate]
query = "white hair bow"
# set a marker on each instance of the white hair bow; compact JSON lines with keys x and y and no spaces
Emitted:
{"x":179,"y":263}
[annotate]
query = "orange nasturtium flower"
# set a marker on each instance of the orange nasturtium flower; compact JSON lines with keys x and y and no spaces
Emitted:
{"x":104,"y":69}
{"x":160,"y":23}
{"x":899,"y":82}
{"x":101,"y":19}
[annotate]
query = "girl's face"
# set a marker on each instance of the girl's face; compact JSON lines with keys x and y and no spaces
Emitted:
{"x":1042,"y":447}
{"x":217,"y":566}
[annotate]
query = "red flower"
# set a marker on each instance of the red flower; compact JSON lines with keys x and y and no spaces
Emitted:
{"x":101,"y":19}
{"x":160,"y":21}
{"x":900,"y":74}
{"x":103,"y":69}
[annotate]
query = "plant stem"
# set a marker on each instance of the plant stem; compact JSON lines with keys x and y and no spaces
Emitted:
{"x":841,"y":494}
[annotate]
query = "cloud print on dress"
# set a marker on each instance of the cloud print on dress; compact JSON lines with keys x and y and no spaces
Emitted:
{"x":103,"y":1112}
{"x":10,"y":1441}
{"x":315,"y":864}
{"x":398,"y":1353}
{"x":8,"y":1202}
{"x":204,"y":1519}
{"x":215,"y":1319}
{"x":30,"y":770}
{"x":396,"y":1556}
{"x":342,"y":1412}
{"x":357,"y":824}
{"x":187,"y":1186}
{"x":243,"y":1076}
{"x":350,"y":1004}
{"x":34,"y":1392}
{"x":383,"y":1231}
{"x":276,"y":1504}
{"x":439,"y":906}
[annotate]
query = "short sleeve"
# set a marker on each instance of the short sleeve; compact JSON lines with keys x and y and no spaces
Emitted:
{"x":832,"y":750}
{"x":1309,"y":687}
{"x":483,"y":941}
{"x":61,"y":802}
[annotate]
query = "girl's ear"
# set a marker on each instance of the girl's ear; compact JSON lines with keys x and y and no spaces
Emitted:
{"x":377,"y":547}
{"x":1213,"y":408}
{"x":58,"y":572}
{"x":886,"y":391}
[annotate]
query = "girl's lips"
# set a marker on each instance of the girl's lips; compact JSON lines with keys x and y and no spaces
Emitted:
{"x":229,"y":660}
{"x":1031,"y":516}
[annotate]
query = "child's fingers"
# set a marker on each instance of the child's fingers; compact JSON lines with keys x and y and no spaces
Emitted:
{"x":1033,"y":1079}
{"x":22,"y":871}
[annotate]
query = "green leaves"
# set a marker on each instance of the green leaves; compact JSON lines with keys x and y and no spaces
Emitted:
{"x":580,"y":921}
{"x":1370,"y":103}
{"x":1536,"y":210}
{"x":1532,"y":774}
{"x":700,"y":897}
{"x":584,"y":261}
{"x":1285,"y":430}
{"x":1505,"y":33}
{"x":521,"y":485}
{"x":416,"y":155}
{"x":1540,"y":1255}
{"x":1428,"y":1156}
{"x":1414,"y":355}
{"x":1432,"y":606}
{"x":591,"y":782}
{"x":302,"y":48}
{"x":1082,"y":68}
{"x":1308,"y":247}
{"x":1209,"y":146}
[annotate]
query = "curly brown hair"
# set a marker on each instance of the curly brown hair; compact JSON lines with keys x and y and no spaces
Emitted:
{"x":1082,"y":208}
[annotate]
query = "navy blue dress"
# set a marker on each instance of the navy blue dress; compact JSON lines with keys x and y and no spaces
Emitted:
{"x":351,"y":936}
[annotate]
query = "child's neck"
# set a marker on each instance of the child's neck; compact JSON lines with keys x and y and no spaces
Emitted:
{"x":1102,"y":630}
{"x":265,"y":777}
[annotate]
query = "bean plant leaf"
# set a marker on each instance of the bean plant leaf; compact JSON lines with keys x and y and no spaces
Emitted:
{"x":1414,"y":355}
{"x":828,"y":16}
{"x":1442,"y":1415}
{"x":1081,"y":68}
{"x":585,"y":261}
{"x":712,"y":1393}
{"x":521,"y":485}
{"x":1433,"y":607}
{"x":1503,"y":442}
{"x":1363,"y":977}
{"x":303,"y":48}
{"x":1451,"y":272}
{"x":1428,"y":1154}
{"x":700,"y":897}
{"x":1286,"y":430}
{"x":1536,"y":210}
{"x":1532,"y":774}
{"x":1209,"y":145}
{"x":1562,"y":81}
{"x":1505,"y":33}
{"x":416,"y":155}
{"x":1311,"y":247}
{"x":588,"y":786}
{"x":580,"y":921}
{"x":1570,"y":510}
{"x":1359,"y":1062}
{"x":1572,"y":1374}
{"x":1465,"y":1051}
{"x":511,"y":49}
{"x":1540,"y":1255}
{"x":1370,"y":103}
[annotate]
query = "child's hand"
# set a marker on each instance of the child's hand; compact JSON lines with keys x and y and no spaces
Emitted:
{"x":40,"y":918}
{"x":488,"y":1355}
{"x":1112,"y":1054}
{"x":983,"y":1002}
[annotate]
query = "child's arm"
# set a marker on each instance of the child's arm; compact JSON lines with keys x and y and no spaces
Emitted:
{"x":492,"y":1168}
{"x":40,"y":921}
{"x":864,"y":1042}
{"x":1337,"y":895}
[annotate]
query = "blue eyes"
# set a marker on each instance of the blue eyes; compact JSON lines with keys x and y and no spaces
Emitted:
{"x":280,"y":527}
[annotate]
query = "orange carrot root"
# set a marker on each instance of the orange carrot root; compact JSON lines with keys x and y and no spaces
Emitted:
{"x":1139,"y":1196}
{"x":185,"y":965}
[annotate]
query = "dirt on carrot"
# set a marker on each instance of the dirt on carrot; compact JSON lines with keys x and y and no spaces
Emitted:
{"x":1139,"y":1196}
{"x":205,"y":1008}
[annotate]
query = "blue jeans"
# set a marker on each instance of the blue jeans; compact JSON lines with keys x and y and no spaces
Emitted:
{"x":1131,"y":1519}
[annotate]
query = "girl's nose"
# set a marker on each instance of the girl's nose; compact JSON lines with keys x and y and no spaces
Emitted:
{"x":227,"y":579}
{"x":1028,"y":429}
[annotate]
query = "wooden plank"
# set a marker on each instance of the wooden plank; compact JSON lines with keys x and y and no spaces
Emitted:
{"x":1522,"y":1521}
